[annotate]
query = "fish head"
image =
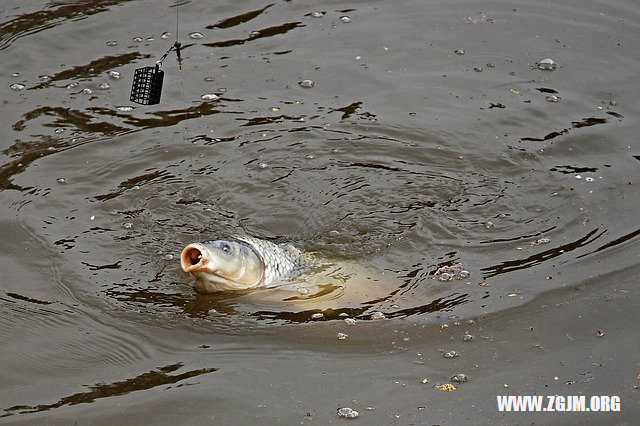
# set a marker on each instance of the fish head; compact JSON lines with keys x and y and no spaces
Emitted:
{"x":219,"y":265}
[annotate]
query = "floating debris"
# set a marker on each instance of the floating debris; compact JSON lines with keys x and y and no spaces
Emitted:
{"x":114,"y":75}
{"x":377,"y":315}
{"x":447,"y":387}
{"x":317,"y":315}
{"x":17,"y":86}
{"x":552,"y":98}
{"x":459,"y":378}
{"x":196,"y":35}
{"x":600,"y":333}
{"x":341,"y":336}
{"x":347,"y":413}
{"x":478,"y":17}
{"x":450,"y":354}
{"x":345,"y":19}
{"x":448,"y":273}
{"x":424,"y":381}
{"x":547,"y":65}
{"x":209,"y":97}
{"x":307,"y":84}
{"x":540,"y":241}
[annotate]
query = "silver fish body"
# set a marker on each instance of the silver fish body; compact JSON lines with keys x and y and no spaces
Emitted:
{"x":241,"y":263}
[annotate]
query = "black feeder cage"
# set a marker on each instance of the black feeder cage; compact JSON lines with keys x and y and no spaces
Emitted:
{"x":147,"y":85}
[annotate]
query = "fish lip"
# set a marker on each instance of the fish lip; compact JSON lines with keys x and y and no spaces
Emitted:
{"x":190,"y":254}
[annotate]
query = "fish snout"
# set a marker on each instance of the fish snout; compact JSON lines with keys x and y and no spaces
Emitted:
{"x":194,"y":258}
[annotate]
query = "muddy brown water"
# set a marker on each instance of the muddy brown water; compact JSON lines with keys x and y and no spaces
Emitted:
{"x":427,"y":140}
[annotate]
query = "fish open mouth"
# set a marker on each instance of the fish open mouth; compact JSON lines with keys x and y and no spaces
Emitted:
{"x":192,"y":258}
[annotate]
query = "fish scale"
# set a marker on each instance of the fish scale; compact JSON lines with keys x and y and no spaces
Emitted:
{"x":280,"y":260}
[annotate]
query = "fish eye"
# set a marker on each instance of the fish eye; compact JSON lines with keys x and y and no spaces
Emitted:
{"x":225,"y":247}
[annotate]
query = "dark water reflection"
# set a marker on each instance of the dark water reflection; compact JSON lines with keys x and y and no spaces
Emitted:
{"x":404,"y":157}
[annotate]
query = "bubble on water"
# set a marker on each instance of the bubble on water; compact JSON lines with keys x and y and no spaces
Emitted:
{"x":578,"y":177}
{"x":59,"y":130}
{"x":317,"y":315}
{"x":309,"y":156}
{"x":196,"y":35}
{"x":61,"y":180}
{"x":491,"y":65}
{"x":345,"y":19}
{"x":263,"y":165}
{"x":274,"y":109}
{"x":334,"y":233}
{"x":613,"y":103}
{"x":209,"y":79}
{"x":87,"y":91}
{"x":477,"y":69}
{"x":45,"y":77}
{"x":15,"y":74}
{"x":17,"y":86}
{"x":589,"y":179}
{"x":114,"y":74}
{"x":349,"y":321}
{"x":165,"y":34}
{"x":450,"y":354}
{"x":347,"y":413}
{"x":112,"y":43}
{"x":341,"y":336}
{"x":222,"y":89}
{"x":541,"y":241}
{"x":302,"y":290}
{"x":150,"y":38}
{"x":467,"y":337}
{"x":209,"y":97}
{"x":104,"y":86}
{"x":547,"y":64}
{"x":462,"y":274}
{"x":307,"y":84}
{"x":459,"y":51}
{"x":125,"y":108}
{"x":137,"y":39}
{"x":168,"y":257}
{"x":128,"y":225}
{"x":317,"y":14}
{"x":72,"y":85}
{"x":377,"y":315}
{"x":459,"y":378}
{"x":445,"y":276}
{"x":488,"y":225}
{"x":552,"y":98}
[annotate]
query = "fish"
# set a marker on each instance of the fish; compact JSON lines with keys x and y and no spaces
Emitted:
{"x":242,"y":263}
